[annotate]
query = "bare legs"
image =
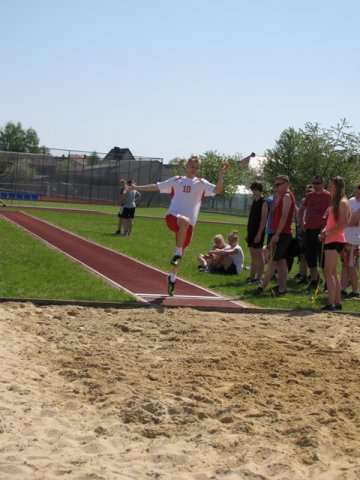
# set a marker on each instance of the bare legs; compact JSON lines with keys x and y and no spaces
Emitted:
{"x":331,"y":277}
{"x":257,"y":263}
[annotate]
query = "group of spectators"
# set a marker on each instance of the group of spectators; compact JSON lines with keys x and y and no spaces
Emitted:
{"x":327,"y":227}
{"x":224,"y":258}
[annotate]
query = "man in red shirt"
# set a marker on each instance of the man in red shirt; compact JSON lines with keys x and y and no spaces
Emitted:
{"x":282,"y":214}
{"x":312,"y":220}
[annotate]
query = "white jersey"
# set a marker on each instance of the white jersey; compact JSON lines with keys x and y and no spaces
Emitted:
{"x":352,"y":234}
{"x":237,"y":257}
{"x":186,"y":195}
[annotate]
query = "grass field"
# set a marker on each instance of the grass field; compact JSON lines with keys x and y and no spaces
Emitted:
{"x":29,"y":269}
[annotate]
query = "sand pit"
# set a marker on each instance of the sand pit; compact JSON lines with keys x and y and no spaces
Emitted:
{"x":177,"y":394}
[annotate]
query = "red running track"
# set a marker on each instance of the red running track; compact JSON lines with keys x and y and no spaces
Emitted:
{"x":146,"y":283}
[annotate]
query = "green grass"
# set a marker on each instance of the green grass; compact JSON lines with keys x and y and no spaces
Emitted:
{"x":152,"y":243}
{"x":31,"y":270}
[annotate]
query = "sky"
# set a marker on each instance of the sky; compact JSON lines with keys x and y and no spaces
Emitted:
{"x":172,"y":78}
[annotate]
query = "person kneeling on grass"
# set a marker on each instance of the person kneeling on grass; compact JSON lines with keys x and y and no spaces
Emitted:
{"x":230,"y":260}
{"x":186,"y":194}
{"x":206,"y":260}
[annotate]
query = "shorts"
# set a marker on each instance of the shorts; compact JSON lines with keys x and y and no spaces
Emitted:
{"x":128,"y":212}
{"x":230,"y":271}
{"x":280,"y":249}
{"x":339,"y":247}
{"x":252,"y":244}
{"x":171,"y":222}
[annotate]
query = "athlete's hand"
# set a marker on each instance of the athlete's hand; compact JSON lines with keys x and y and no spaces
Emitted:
{"x":224,"y":166}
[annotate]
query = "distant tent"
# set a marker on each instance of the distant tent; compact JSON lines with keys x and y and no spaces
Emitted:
{"x":253,"y":161}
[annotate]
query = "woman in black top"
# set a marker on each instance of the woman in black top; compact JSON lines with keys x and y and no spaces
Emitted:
{"x":256,"y":232}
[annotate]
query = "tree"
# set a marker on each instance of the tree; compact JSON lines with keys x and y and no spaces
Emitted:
{"x":14,"y":138}
{"x":94,"y":159}
{"x":302,"y":153}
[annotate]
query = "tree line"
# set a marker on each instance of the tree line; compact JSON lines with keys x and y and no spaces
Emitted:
{"x":298,"y":153}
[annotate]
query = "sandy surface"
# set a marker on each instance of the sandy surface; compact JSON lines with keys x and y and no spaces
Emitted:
{"x":144,"y":394}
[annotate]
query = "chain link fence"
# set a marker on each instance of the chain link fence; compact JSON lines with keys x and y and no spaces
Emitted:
{"x":89,"y":177}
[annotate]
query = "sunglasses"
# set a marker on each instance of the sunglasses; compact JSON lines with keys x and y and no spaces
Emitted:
{"x":278,"y":184}
{"x":316,"y":183}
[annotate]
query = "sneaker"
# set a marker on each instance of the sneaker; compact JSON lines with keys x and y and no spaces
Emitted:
{"x":250,"y":280}
{"x":117,"y":232}
{"x":204,"y":270}
{"x":328,"y":307}
{"x":301,"y":279}
{"x":338,"y":306}
{"x":353,"y":295}
{"x":259,"y":291}
{"x":171,"y":286}
{"x":344,"y":293}
{"x":312,"y":285}
{"x":277,"y":292}
{"x":175,"y":260}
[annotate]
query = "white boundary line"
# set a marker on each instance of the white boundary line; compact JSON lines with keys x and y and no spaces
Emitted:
{"x":161,"y":295}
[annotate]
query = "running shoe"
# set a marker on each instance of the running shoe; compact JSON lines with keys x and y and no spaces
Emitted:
{"x":353,"y":295}
{"x":328,"y":307}
{"x":301,"y":279}
{"x":171,"y":286}
{"x":175,"y":260}
{"x":259,"y":291}
{"x":277,"y":292}
{"x":313,"y":285}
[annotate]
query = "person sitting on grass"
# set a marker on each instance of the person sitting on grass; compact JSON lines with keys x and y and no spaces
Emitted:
{"x":186,"y":194}
{"x":206,"y":259}
{"x":229,"y":260}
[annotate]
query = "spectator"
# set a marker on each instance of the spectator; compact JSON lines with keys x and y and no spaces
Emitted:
{"x":333,"y":236}
{"x":121,"y":206}
{"x":131,"y":201}
{"x":230,"y":260}
{"x":312,"y":220}
{"x":350,"y":254}
{"x":256,"y":232}
{"x":282,"y":215}
{"x":206,"y":260}
{"x":302,"y":276}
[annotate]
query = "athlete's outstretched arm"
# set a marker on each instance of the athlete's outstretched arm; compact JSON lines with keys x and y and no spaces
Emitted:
{"x":219,"y":186}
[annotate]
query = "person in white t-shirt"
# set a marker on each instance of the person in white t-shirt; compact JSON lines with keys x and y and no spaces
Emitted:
{"x":186,"y":194}
{"x":350,"y":254}
{"x":231,"y":258}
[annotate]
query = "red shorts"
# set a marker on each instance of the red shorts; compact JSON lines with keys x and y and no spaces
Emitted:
{"x":172,"y":225}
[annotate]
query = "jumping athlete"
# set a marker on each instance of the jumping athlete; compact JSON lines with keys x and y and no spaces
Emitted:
{"x":186,"y":194}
